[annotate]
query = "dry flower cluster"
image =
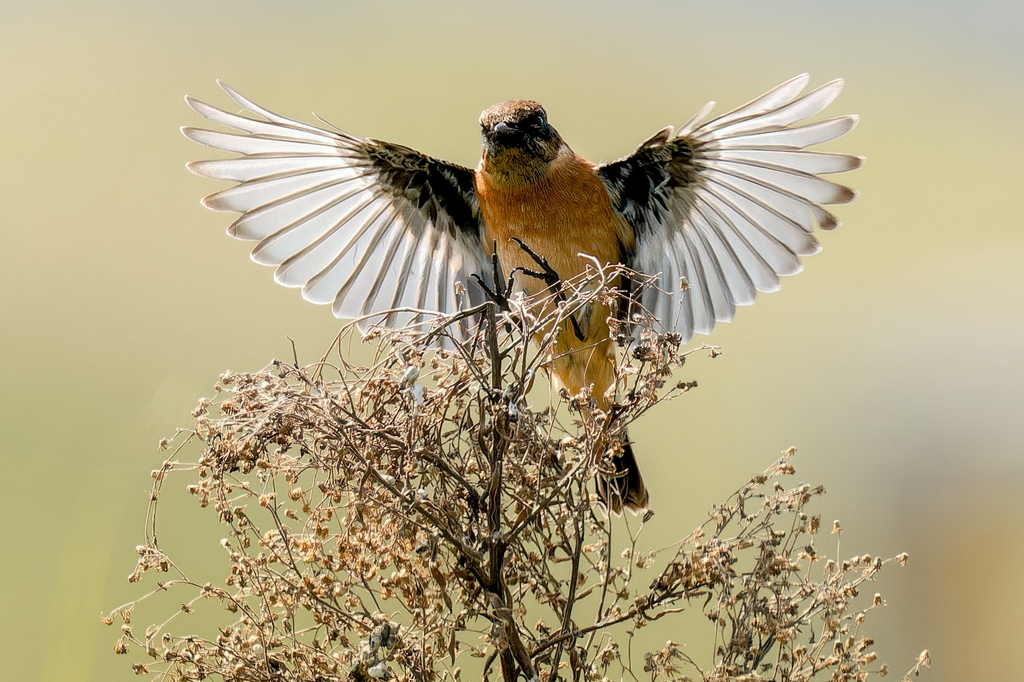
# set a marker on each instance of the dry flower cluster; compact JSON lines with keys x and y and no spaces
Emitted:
{"x":419,"y":516}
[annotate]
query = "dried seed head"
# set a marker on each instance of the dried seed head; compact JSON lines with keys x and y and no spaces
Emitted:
{"x":421,"y":501}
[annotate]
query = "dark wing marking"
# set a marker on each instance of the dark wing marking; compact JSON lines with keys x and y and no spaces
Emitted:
{"x":364,"y":225}
{"x":730,"y":205}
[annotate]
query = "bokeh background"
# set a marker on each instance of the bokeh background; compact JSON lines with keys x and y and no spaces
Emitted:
{"x":893,"y":362}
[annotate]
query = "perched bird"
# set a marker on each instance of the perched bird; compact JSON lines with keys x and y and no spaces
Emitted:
{"x":715,"y":210}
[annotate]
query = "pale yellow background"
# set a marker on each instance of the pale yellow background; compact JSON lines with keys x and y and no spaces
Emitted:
{"x":893,"y":362}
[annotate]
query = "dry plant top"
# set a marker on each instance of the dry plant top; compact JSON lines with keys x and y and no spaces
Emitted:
{"x":421,"y":519}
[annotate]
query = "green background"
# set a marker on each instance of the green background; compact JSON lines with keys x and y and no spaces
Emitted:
{"x":892,"y":363}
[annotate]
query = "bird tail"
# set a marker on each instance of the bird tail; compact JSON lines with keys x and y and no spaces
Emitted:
{"x":625,"y":488}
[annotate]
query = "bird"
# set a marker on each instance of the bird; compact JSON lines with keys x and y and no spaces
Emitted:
{"x":712,"y":212}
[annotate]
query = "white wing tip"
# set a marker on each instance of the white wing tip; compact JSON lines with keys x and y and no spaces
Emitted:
{"x":190,"y":132}
{"x":803,"y":79}
{"x":195,"y":167}
{"x":211,"y":201}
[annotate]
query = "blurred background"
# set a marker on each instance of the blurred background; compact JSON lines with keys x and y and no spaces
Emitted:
{"x":893,"y":362}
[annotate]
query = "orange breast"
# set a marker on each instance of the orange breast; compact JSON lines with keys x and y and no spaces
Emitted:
{"x":560,"y":216}
{"x":565,"y":214}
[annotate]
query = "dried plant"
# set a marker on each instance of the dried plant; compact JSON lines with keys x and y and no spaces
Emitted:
{"x":419,"y":519}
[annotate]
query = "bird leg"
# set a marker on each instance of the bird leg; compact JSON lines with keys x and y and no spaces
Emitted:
{"x":547,"y":274}
{"x":497,"y":295}
{"x":500,"y":295}
{"x":551,"y":278}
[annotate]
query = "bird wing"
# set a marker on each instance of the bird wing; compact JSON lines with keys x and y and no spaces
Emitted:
{"x":364,"y":225}
{"x":729,"y":205}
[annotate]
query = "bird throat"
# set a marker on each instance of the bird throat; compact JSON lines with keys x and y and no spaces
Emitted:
{"x":515,"y":167}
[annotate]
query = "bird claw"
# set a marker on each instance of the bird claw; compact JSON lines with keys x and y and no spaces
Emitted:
{"x":498,"y":296}
{"x":547,"y":275}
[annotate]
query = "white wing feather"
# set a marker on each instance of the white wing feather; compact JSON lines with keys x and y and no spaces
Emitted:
{"x":750,"y":214}
{"x":323,"y":215}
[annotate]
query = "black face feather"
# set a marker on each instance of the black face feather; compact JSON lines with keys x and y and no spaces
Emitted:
{"x":521,"y":127}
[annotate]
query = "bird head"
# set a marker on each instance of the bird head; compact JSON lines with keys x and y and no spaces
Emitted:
{"x":519,"y":144}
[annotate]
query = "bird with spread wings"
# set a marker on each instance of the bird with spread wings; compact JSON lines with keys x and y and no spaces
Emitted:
{"x":713,"y":211}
